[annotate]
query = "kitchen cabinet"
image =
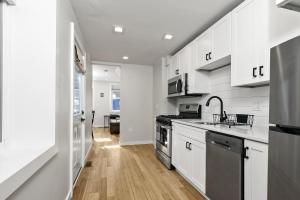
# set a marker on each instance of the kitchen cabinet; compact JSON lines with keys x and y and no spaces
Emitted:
{"x":178,"y":63}
{"x":214,"y":45}
{"x":189,"y":154}
{"x":204,"y":48}
{"x":256,"y":170}
{"x":250,"y":53}
{"x":173,"y":67}
{"x":184,"y":62}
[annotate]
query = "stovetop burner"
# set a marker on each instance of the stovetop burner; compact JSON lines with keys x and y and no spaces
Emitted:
{"x":186,"y":111}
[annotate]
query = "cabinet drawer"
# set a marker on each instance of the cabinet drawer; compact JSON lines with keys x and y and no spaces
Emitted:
{"x":190,"y":132}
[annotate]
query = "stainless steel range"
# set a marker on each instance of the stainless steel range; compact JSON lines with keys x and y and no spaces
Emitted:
{"x":164,"y":131}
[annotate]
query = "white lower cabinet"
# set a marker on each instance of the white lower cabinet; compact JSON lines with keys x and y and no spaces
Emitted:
{"x":189,"y":154}
{"x":198,"y":164}
{"x":256,"y":170}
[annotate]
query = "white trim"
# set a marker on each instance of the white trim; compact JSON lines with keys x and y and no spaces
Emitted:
{"x":136,"y":143}
{"x":88,"y":153}
{"x":98,"y":126}
{"x":11,"y":184}
{"x":72,"y":35}
{"x":70,"y":194}
{"x":68,"y":197}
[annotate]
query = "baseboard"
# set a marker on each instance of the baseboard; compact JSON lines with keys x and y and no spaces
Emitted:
{"x":68,"y":197}
{"x":98,"y":126}
{"x":88,"y":153}
{"x":136,"y":143}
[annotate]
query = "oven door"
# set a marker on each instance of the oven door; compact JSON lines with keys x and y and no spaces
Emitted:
{"x":163,"y":139}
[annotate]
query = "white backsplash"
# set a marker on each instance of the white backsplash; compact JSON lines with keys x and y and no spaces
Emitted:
{"x":236,"y":100}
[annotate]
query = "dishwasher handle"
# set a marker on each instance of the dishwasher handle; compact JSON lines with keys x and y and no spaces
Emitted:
{"x":220,"y":144}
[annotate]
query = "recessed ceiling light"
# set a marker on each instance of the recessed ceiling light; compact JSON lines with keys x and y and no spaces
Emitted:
{"x":168,"y":37}
{"x":125,"y":57}
{"x":118,"y":29}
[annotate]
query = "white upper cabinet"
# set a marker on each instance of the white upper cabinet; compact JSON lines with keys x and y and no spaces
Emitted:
{"x":214,"y":45}
{"x":178,"y":63}
{"x":204,"y":48}
{"x":250,"y":52}
{"x":221,"y":39}
{"x":256,"y":170}
{"x":184,"y":59}
{"x":173,"y":68}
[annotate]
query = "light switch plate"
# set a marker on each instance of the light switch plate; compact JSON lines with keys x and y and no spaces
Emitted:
{"x":11,"y":2}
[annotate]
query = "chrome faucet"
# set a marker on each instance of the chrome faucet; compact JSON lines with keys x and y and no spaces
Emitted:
{"x":223,"y":115}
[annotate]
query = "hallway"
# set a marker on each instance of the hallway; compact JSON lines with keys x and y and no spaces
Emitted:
{"x":126,"y":173}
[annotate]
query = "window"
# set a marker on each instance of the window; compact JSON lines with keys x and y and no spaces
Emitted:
{"x":115,"y":98}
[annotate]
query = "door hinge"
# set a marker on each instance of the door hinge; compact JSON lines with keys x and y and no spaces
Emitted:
{"x":10,"y":2}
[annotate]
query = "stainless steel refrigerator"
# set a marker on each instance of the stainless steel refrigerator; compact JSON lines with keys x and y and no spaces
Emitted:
{"x":284,"y":137}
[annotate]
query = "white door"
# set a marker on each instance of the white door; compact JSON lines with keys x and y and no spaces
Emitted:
{"x":256,"y":171}
{"x":78,"y":120}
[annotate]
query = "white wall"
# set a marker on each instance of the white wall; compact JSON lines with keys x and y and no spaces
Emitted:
{"x":101,"y":104}
{"x":88,"y":105}
{"x":52,"y":181}
{"x":137,"y":104}
{"x":236,"y":100}
{"x":29,"y":73}
{"x":284,"y":24}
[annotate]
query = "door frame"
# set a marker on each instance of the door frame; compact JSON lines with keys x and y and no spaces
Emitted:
{"x":75,"y":39}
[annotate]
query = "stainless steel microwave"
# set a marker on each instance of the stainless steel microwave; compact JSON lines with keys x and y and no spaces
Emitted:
{"x":177,"y":86}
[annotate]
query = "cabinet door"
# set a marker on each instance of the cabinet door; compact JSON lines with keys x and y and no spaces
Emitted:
{"x":198,"y":164}
{"x":175,"y":149}
{"x":184,"y":59}
{"x":204,"y":48}
{"x":242,"y":44}
{"x":256,"y":171}
{"x":261,"y":49}
{"x":174,"y":66}
{"x":183,"y":163}
{"x":194,"y":56}
{"x":250,"y":52}
{"x":221,"y":38}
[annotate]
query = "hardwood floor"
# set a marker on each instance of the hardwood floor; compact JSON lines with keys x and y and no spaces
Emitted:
{"x":128,"y":173}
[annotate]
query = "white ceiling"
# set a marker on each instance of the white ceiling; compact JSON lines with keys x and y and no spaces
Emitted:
{"x":145,"y":22}
{"x":106,"y":73}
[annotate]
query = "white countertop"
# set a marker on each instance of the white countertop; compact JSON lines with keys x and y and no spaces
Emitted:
{"x":258,"y":134}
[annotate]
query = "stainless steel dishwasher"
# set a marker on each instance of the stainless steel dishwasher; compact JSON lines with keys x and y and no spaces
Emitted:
{"x":224,"y":167}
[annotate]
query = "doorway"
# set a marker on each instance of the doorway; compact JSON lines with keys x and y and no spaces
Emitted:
{"x":106,"y":102}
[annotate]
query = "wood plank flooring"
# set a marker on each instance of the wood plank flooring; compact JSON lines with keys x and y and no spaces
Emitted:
{"x":128,"y":173}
